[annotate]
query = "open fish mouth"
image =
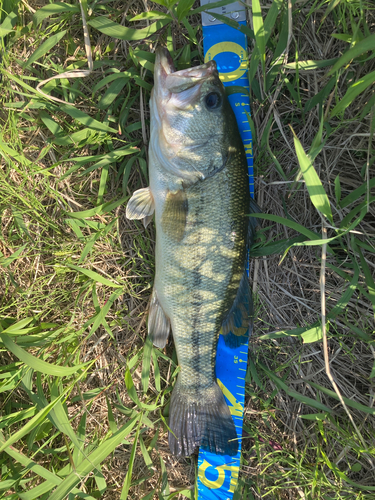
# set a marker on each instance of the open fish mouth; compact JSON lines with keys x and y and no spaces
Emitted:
{"x":169,"y":81}
{"x":176,"y":99}
{"x":163,"y":63}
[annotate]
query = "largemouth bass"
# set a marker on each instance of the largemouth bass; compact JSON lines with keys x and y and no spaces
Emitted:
{"x":200,"y":196}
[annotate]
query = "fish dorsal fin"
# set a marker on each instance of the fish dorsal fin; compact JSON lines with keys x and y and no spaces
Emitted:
{"x":239,"y":318}
{"x":141,"y":206}
{"x":173,"y":220}
{"x":159,"y":325}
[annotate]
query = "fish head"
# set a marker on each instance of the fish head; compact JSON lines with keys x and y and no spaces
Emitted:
{"x":189,"y":119}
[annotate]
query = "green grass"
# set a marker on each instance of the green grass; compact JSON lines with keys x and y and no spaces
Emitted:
{"x":83,"y":398}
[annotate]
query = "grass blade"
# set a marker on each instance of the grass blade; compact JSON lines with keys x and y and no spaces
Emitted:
{"x":85,"y":119}
{"x":38,"y":364}
{"x":349,"y":402}
{"x":315,"y":334}
{"x":30,"y":464}
{"x":94,"y":276}
{"x":304,"y":399}
{"x":114,"y":30}
{"x":7,"y":26}
{"x":259,"y":34}
{"x":368,"y":278}
{"x":78,"y":452}
{"x":359,"y":48}
{"x":45,"y":47}
{"x":146,"y":364}
{"x":357,"y":88}
{"x":360,"y":191}
{"x":310,"y":65}
{"x":52,"y":9}
{"x":112,"y":92}
{"x":38,"y":419}
{"x":183,"y":8}
{"x":128,"y":477}
{"x":16,"y":328}
{"x":99,"y":210}
{"x":151,"y":15}
{"x":289,"y":223}
{"x":61,"y":418}
{"x":314,"y":186}
{"x":6,"y":262}
{"x":93,"y":460}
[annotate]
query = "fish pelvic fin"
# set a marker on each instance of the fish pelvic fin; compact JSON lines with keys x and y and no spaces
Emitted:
{"x":141,"y":206}
{"x":238,"y":323}
{"x":201,"y":420}
{"x":159,"y":325}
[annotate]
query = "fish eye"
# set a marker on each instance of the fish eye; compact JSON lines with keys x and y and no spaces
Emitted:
{"x":213,"y":100}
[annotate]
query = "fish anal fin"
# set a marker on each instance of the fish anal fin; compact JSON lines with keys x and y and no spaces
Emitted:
{"x":173,"y":220}
{"x":141,"y":206}
{"x":203,"y":420}
{"x":239,"y":318}
{"x":159,"y":325}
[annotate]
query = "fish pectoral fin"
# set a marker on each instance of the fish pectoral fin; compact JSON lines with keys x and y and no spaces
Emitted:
{"x":141,"y":206}
{"x":146,"y":221}
{"x":239,"y":319}
{"x":159,"y":325}
{"x":173,"y":220}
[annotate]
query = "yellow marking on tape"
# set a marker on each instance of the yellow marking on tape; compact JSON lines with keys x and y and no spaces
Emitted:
{"x":235,"y":406}
{"x":235,"y":48}
{"x":218,"y":483}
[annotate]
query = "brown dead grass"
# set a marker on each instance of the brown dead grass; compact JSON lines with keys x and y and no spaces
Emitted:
{"x":289,"y":293}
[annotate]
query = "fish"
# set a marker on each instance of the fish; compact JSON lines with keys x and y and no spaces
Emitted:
{"x":199,"y":195}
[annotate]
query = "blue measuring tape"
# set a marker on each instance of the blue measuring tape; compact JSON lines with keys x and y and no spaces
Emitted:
{"x":218,"y":474}
{"x":228,"y":47}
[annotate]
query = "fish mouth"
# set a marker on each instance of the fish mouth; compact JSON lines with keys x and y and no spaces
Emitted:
{"x":163,"y":64}
{"x":169,"y":81}
{"x":175,"y":92}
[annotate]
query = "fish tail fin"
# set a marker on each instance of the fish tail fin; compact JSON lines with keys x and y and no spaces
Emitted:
{"x":203,"y":420}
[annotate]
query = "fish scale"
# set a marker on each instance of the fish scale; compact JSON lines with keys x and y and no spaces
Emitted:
{"x":201,"y":262}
